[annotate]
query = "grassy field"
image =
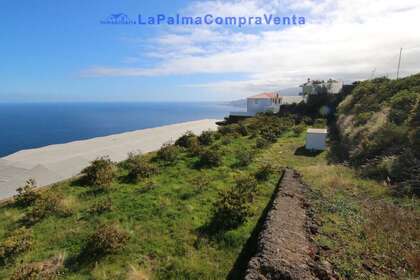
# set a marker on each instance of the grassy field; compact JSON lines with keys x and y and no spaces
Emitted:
{"x":365,"y":232}
{"x":163,"y":216}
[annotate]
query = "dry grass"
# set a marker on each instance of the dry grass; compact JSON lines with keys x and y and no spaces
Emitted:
{"x":137,"y":274}
{"x":392,"y":237}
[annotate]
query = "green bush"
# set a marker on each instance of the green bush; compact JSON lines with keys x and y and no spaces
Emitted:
{"x":231,"y":129}
{"x":26,"y":195}
{"x":264,"y":172}
{"x":101,"y":206}
{"x":320,"y":123}
{"x":401,"y":105}
{"x":141,"y":169}
{"x":243,"y":130}
{"x":210,"y":158}
{"x":100,"y":173}
{"x":247,"y":186}
{"x":168,"y":153}
{"x":186,"y":140}
{"x":107,"y":239}
{"x":414,"y":128}
{"x":244,"y":157}
{"x":298,"y":129}
{"x":231,"y":210}
{"x":261,"y":143}
{"x":268,"y":134}
{"x":46,"y":205}
{"x":206,"y":138}
{"x":46,"y":270}
{"x":195,"y":148}
{"x":200,"y":183}
{"x":17,"y":242}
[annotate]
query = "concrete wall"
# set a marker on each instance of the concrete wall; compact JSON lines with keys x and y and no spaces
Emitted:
{"x":316,"y":141}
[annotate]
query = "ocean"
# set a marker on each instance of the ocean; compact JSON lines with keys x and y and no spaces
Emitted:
{"x":33,"y":125}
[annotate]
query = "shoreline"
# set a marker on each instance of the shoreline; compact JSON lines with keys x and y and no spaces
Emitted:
{"x":57,"y":162}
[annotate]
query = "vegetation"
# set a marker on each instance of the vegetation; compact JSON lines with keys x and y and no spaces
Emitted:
{"x":186,"y":140}
{"x":100,"y":173}
{"x":379,"y":128}
{"x":191,"y":219}
{"x":18,"y":241}
{"x":26,"y":195}
{"x":107,"y":239}
{"x":45,"y":270}
{"x":168,"y":153}
{"x":151,"y":224}
{"x":141,"y":169}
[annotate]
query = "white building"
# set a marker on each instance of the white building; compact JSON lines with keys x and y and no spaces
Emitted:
{"x":316,"y":139}
{"x":264,"y":102}
{"x":313,"y":87}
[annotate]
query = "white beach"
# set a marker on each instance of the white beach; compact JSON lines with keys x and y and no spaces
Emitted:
{"x":54,"y":163}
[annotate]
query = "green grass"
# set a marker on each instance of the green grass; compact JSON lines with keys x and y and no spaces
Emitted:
{"x":163,"y":223}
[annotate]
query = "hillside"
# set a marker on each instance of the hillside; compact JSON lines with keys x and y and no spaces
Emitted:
{"x":379,"y":125}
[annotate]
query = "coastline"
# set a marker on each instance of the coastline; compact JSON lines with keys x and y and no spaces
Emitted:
{"x":58,"y":162}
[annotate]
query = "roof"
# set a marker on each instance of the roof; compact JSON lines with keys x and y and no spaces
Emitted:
{"x":265,"y":95}
{"x":317,"y":130}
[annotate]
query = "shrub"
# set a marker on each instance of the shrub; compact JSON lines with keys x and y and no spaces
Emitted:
{"x":230,"y":211}
{"x":401,"y":105}
{"x":244,"y":157}
{"x":100,"y":173}
{"x":168,"y":153}
{"x":200,"y":183}
{"x":107,"y":239}
{"x":131,"y":160}
{"x":49,"y":204}
{"x":186,"y":140}
{"x":298,"y":129}
{"x":26,"y":195}
{"x":261,"y":143}
{"x":101,"y":206}
{"x":210,"y":158}
{"x":17,"y":242}
{"x":141,"y":169}
{"x":195,"y":148}
{"x":225,"y":129}
{"x":320,"y":123}
{"x":264,"y":172}
{"x":206,"y":138}
{"x":227,"y":139}
{"x":45,"y":270}
{"x":269,"y":134}
{"x":247,"y":186}
{"x":243,"y":130}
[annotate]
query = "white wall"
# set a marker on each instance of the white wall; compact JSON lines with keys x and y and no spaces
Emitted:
{"x":316,"y":141}
{"x":261,"y":105}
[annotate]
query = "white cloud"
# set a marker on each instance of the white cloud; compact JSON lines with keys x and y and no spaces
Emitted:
{"x":343,"y":39}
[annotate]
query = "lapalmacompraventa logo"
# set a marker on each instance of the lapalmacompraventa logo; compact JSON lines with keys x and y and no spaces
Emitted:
{"x":120,"y":18}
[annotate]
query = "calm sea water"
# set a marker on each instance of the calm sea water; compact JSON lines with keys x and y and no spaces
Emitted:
{"x":32,"y":125}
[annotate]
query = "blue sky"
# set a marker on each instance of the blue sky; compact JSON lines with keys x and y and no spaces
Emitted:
{"x":58,"y":51}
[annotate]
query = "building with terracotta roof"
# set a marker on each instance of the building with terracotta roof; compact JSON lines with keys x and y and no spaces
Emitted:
{"x":263,"y":102}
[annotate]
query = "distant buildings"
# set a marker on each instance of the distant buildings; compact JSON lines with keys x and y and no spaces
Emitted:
{"x":315,"y":87}
{"x":264,"y":102}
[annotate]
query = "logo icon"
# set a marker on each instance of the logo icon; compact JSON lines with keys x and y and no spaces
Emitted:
{"x":120,"y":18}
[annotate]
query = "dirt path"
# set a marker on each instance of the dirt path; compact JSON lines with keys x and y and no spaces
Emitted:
{"x":284,"y":250}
